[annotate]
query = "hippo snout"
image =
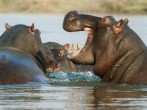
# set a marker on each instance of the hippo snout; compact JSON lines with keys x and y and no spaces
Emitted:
{"x":74,"y":21}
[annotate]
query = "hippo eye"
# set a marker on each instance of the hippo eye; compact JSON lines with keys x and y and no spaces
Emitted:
{"x":104,"y":19}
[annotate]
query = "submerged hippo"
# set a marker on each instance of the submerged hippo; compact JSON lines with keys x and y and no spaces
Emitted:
{"x":60,"y":60}
{"x":21,"y":57}
{"x":115,"y":50}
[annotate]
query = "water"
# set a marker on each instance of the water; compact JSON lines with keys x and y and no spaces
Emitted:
{"x":73,"y":96}
{"x":71,"y":91}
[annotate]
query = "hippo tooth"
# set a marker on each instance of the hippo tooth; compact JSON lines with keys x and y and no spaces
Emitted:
{"x":72,"y":49}
{"x":74,"y":55}
{"x":78,"y":47}
{"x":73,"y":52}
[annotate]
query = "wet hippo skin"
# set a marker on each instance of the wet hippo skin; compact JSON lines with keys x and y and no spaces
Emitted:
{"x":21,"y":56}
{"x":115,"y":50}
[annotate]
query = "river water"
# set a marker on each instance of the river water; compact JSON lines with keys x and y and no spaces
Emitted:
{"x":76,"y":90}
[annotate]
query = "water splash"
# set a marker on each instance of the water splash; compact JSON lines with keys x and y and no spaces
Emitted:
{"x":72,"y":76}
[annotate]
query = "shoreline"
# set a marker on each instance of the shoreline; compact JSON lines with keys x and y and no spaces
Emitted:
{"x":127,"y":7}
{"x":63,"y":14}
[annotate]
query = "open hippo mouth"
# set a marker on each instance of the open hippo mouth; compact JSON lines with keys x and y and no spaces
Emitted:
{"x":82,"y":51}
{"x":80,"y":22}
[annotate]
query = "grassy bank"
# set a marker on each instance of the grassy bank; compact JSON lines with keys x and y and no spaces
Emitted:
{"x":63,"y":6}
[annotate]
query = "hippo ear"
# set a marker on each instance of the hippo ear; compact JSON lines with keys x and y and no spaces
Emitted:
{"x":7,"y":26}
{"x":119,"y":23}
{"x":31,"y":29}
{"x":66,"y":46}
{"x":126,"y":21}
{"x":117,"y":27}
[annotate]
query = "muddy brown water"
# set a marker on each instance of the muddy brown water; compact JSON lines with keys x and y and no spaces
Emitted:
{"x":71,"y":91}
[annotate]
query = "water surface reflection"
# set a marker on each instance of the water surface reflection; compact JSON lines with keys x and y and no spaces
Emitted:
{"x":121,"y":97}
{"x":46,"y":97}
{"x":69,"y":96}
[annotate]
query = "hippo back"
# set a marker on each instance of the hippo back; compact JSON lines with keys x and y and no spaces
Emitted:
{"x":18,"y":67}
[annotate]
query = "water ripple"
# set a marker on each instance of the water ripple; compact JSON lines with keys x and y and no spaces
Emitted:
{"x":72,"y":76}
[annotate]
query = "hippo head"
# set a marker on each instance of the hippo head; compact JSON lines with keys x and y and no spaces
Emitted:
{"x":97,"y":29}
{"x":59,"y":53}
{"x":23,"y":37}
{"x":74,"y":21}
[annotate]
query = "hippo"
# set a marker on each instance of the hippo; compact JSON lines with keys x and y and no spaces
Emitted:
{"x":60,"y":60}
{"x":21,"y":57}
{"x":116,"y":51}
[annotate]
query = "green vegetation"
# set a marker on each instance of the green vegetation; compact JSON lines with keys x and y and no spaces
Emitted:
{"x":85,"y":6}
